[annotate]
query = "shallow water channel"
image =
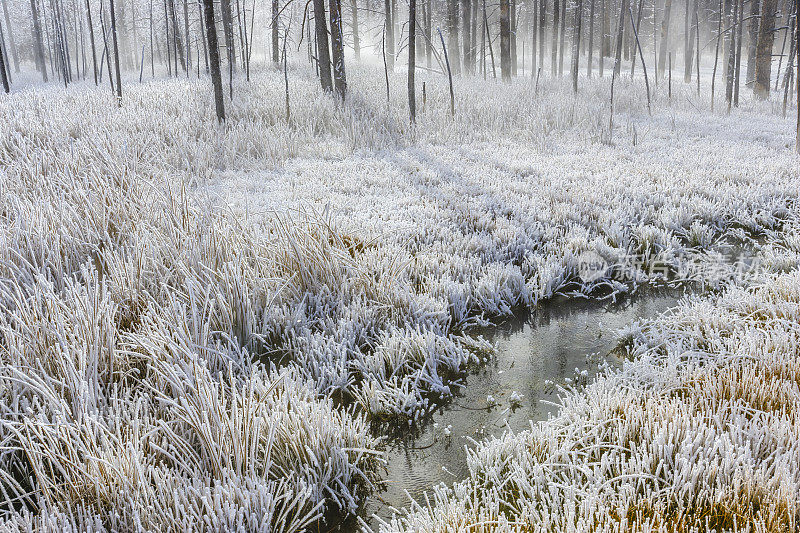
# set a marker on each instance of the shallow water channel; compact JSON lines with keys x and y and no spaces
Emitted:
{"x":554,"y":344}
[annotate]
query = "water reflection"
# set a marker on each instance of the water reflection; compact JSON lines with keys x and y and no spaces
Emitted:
{"x":557,"y":343}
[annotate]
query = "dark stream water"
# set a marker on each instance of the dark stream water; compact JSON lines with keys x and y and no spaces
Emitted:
{"x":557,"y":343}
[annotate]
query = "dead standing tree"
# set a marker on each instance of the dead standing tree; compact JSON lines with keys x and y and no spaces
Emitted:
{"x":213,"y":59}
{"x":323,"y":54}
{"x":412,"y":43}
{"x":505,"y":40}
{"x":764,"y":49}
{"x":337,"y":45}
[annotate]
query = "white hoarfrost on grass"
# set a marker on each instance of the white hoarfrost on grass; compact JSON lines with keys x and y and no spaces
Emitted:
{"x":198,"y":323}
{"x":698,"y":431}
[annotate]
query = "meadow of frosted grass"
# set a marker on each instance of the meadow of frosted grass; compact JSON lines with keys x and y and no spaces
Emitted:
{"x":197,"y":323}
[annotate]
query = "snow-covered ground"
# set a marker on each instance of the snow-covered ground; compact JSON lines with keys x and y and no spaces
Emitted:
{"x":197,"y":323}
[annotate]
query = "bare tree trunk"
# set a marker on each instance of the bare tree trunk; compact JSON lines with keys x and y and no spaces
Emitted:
{"x":716,"y":55}
{"x":116,"y":51}
{"x":91,"y":40}
{"x":11,"y":42}
{"x":662,"y":53}
{"x":337,"y":46}
{"x":213,"y":59}
{"x":3,"y":71}
{"x":449,"y":76}
{"x":227,"y":29}
{"x":730,"y":71}
{"x":466,"y":6}
{"x":489,"y":41}
{"x":505,"y":40}
{"x":601,"y":56}
{"x":688,"y":56}
{"x":389,"y":39}
{"x":591,"y":39}
{"x":554,"y":50}
{"x":452,"y":36}
{"x":737,"y":73}
{"x":38,"y":49}
{"x":561,"y":37}
{"x":620,"y":29}
{"x":512,"y":20}
{"x":534,"y":34}
{"x":542,"y":28}
{"x":797,"y":76}
{"x":635,"y":28}
{"x":323,"y":54}
{"x":636,"y":44}
{"x":356,"y":36}
{"x":752,"y":30}
{"x":203,"y":34}
{"x":764,"y":49}
{"x":275,"y":47}
{"x":186,"y":33}
{"x":429,"y":33}
{"x":576,"y":44}
{"x":412,"y":56}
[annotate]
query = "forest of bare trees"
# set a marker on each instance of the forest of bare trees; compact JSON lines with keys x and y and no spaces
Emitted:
{"x":70,"y":40}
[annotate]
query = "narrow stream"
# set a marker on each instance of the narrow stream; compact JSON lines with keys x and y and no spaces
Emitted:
{"x":557,"y":343}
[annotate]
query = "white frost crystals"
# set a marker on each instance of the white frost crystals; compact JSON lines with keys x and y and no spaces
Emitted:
{"x":180,"y":349}
{"x":698,"y":431}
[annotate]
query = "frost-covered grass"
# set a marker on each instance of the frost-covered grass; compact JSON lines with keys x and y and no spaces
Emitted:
{"x":699,"y":431}
{"x":197,"y":323}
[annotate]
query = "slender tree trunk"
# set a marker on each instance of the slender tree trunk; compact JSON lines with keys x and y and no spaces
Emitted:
{"x":275,"y":47}
{"x":635,"y":28}
{"x":505,"y":40}
{"x":662,"y":53}
{"x":688,"y":56}
{"x":466,"y":16}
{"x":489,"y":42}
{"x":323,"y":54}
{"x":11,"y":42}
{"x":115,"y":46}
{"x":752,"y":30}
{"x":534,"y":34}
{"x":449,"y":76}
{"x":213,"y":59}
{"x":561,"y":37}
{"x":554,"y":50}
{"x":429,"y":33}
{"x":91,"y":40}
{"x":356,"y":36}
{"x":797,"y":76}
{"x":227,"y":28}
{"x":542,"y":28}
{"x":764,"y":49}
{"x":601,"y":55}
{"x":591,"y":39}
{"x":38,"y":49}
{"x":186,"y":33}
{"x":716,"y":54}
{"x":620,"y":29}
{"x":412,"y":56}
{"x":452,"y":36}
{"x":337,"y":45}
{"x":636,"y":44}
{"x":203,"y":33}
{"x":389,"y":39}
{"x":730,"y":71}
{"x":576,"y":44}
{"x":3,"y":70}
{"x":740,"y":23}
{"x":512,"y":19}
